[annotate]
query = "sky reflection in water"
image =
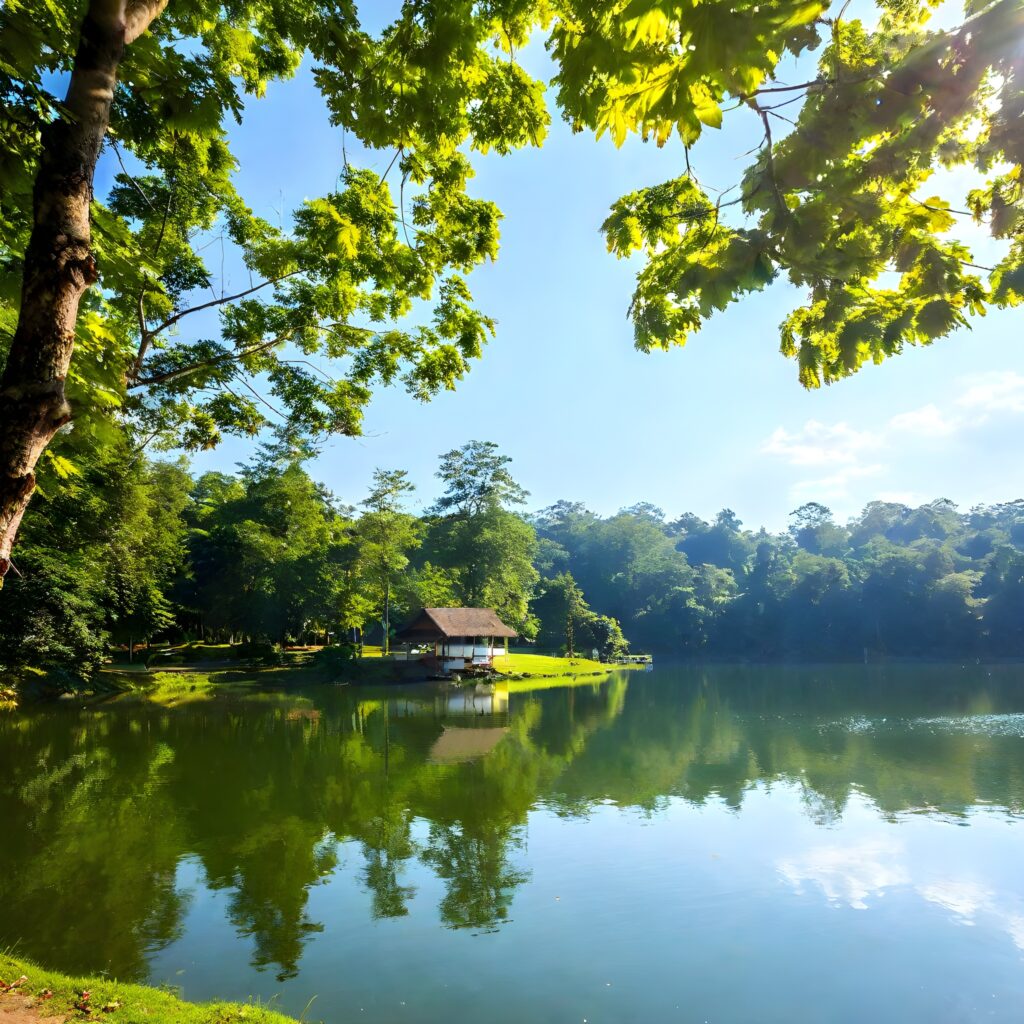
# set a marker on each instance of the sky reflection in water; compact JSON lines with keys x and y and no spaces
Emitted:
{"x":726,"y":844}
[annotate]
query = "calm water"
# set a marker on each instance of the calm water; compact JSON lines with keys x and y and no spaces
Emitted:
{"x":722,"y":845}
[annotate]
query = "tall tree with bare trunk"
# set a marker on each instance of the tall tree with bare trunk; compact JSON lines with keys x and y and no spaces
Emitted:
{"x":59,"y":262}
{"x":116,"y":280}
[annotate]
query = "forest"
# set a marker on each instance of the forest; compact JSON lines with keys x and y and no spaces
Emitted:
{"x":133,"y":551}
{"x":122,"y":335}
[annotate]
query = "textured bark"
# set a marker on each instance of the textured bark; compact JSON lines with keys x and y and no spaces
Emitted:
{"x":59,"y":264}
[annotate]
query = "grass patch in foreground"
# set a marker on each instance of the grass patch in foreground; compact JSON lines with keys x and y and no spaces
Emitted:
{"x":50,"y":995}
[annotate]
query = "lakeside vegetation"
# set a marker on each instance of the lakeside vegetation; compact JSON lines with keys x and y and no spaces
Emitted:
{"x":197,"y":681}
{"x":540,"y":665}
{"x":56,"y":996}
{"x":242,"y":566}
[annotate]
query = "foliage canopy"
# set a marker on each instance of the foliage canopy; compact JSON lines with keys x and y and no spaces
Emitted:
{"x":835,"y":196}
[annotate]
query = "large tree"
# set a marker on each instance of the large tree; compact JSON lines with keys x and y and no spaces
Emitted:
{"x":838,"y":195}
{"x":472,"y":533}
{"x":386,"y":533}
{"x":338,"y":282}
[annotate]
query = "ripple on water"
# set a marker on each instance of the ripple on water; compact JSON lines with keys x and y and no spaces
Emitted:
{"x":982,"y":725}
{"x":968,"y":725}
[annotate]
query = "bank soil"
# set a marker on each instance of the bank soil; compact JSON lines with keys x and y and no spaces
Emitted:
{"x":17,"y":1007}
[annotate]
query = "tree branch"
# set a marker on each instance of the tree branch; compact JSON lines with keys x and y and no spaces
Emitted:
{"x":138,"y":188}
{"x":245,"y":384}
{"x":387,"y":170}
{"x":769,"y":160}
{"x":184,"y":371}
{"x":139,"y":15}
{"x":145,"y":334}
{"x":170,"y":321}
{"x":814,"y":83}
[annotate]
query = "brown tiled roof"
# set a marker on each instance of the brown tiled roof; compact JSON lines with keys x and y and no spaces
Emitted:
{"x":457,"y":622}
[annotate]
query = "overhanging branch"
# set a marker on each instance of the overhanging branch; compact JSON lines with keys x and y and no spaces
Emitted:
{"x":223,"y":300}
{"x":184,"y":371}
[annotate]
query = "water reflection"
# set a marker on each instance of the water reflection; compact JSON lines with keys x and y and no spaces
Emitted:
{"x":271,"y":796}
{"x":858,"y":875}
{"x":850,"y":874}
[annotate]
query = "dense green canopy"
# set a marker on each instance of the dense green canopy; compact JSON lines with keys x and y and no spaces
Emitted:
{"x":133,"y":551}
{"x":838,"y":196}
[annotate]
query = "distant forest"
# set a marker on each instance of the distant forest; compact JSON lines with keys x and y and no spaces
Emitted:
{"x":132,"y":550}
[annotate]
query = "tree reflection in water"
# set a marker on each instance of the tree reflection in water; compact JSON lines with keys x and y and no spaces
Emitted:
{"x":100,"y":806}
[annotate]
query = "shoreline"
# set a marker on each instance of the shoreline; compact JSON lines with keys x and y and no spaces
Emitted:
{"x":171,"y":685}
{"x":30,"y":993}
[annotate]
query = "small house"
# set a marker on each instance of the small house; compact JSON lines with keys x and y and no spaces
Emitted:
{"x":456,"y":639}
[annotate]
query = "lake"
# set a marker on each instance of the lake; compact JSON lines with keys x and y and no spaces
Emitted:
{"x":723,"y":844}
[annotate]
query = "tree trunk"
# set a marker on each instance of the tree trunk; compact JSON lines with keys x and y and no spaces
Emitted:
{"x":59,"y":264}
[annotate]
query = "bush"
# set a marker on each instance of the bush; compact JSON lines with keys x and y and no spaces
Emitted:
{"x":261,"y":652}
{"x":331,"y":660}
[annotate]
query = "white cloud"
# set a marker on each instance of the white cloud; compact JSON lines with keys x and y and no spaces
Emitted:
{"x":837,"y":449}
{"x":928,"y":421}
{"x":909,"y":498}
{"x":852,"y":875}
{"x":962,"y":898}
{"x":843,"y":454}
{"x":994,"y":392}
{"x":818,"y":444}
{"x":1015,"y":929}
{"x":984,"y":396}
{"x":968,"y":902}
{"x":849,"y":874}
{"x":835,"y":485}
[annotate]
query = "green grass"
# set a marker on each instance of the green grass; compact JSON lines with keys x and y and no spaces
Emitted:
{"x":543,"y":665}
{"x":120,"y":1003}
{"x":173,"y":689}
{"x":176,"y":688}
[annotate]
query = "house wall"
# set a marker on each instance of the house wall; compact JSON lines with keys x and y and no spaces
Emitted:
{"x":466,"y":650}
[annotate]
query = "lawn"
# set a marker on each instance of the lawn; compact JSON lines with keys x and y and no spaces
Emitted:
{"x":544,"y":665}
{"x":52,"y":995}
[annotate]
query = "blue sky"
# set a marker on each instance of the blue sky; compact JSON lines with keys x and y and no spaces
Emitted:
{"x":722,"y":422}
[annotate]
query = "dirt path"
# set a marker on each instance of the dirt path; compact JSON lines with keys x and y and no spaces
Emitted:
{"x":16,"y":1008}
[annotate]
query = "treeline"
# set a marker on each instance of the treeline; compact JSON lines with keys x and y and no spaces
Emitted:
{"x":894,"y":581}
{"x":125,"y":550}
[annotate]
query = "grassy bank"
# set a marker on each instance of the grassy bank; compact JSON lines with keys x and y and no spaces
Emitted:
{"x":542,"y":665}
{"x":202,"y":672}
{"x":29,"y":992}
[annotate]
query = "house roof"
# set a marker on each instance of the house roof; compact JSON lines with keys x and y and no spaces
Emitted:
{"x":448,"y":622}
